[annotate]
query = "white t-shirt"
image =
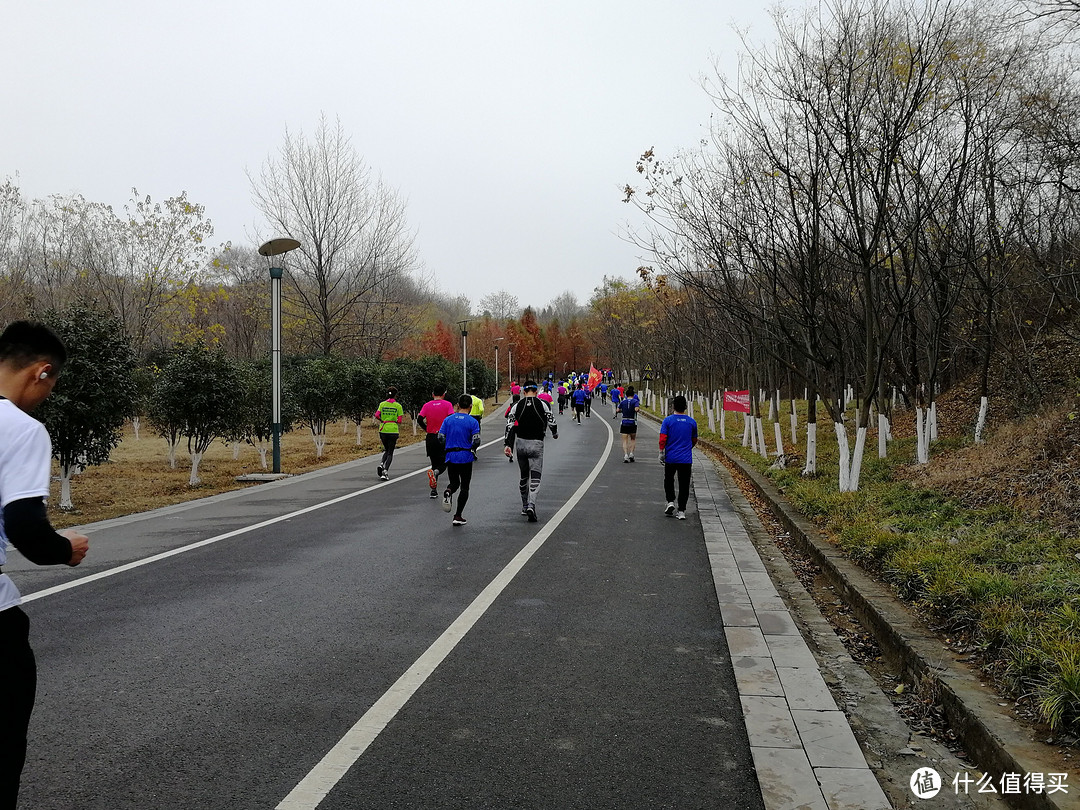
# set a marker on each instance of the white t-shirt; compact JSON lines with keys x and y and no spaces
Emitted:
{"x":25,"y":470}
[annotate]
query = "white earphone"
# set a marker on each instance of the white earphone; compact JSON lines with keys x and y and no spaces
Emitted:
{"x":44,"y":375}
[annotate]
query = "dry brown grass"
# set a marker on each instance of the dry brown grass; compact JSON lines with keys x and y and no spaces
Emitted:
{"x":1031,"y":463}
{"x":138,"y":478}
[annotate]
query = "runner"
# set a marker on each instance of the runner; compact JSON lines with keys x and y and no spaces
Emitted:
{"x":460,"y":436}
{"x":579,"y":402}
{"x":678,"y":436}
{"x":628,"y":407}
{"x":477,"y":409}
{"x":603,"y":392}
{"x":430,"y":418}
{"x":564,"y":395}
{"x":31,"y":357}
{"x":388,"y":417}
{"x":515,"y":391}
{"x":588,"y":401}
{"x":527,"y":427}
{"x":616,"y":395}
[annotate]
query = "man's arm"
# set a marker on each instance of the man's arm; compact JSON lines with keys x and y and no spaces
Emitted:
{"x":27,"y":526}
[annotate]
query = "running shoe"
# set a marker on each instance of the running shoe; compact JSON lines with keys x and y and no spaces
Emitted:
{"x":433,"y":482}
{"x":447,"y":501}
{"x":530,"y":510}
{"x":626,"y":458}
{"x":680,"y":515}
{"x":459,"y":520}
{"x":378,"y":471}
{"x":524,"y":510}
{"x":670,"y":509}
{"x":631,"y":458}
{"x":385,"y":476}
{"x":434,"y":492}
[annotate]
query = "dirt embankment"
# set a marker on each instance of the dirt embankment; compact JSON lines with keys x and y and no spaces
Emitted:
{"x":1032,"y":454}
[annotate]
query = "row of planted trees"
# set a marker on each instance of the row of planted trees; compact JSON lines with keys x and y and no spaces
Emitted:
{"x":886,"y":202}
{"x":194,"y":394}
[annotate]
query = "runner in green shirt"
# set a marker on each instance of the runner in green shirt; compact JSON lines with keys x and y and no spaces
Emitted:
{"x":388,"y":417}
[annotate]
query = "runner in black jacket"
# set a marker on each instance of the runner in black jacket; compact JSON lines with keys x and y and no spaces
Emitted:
{"x":527,"y":425}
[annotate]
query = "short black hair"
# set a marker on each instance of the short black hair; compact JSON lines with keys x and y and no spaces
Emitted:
{"x":679,"y":403}
{"x":391,"y":391}
{"x":26,"y":342}
{"x":439,"y":390}
{"x":465,"y":401}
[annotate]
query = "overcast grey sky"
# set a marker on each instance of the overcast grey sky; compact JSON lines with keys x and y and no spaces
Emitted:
{"x":509,"y":127}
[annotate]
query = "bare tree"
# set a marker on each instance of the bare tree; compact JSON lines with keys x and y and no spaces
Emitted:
{"x":354,"y":239}
{"x":500,"y":305}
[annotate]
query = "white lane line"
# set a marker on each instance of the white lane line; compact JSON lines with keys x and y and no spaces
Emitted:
{"x":314,"y":787}
{"x":75,"y":583}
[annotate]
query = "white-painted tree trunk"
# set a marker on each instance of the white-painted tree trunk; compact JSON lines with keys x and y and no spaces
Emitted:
{"x":762,"y":447}
{"x":235,"y":450}
{"x":263,"y":448}
{"x":794,"y":418}
{"x":772,"y":410}
{"x":320,"y":443}
{"x":194,"y":479}
{"x":136,"y":423}
{"x":172,"y":454}
{"x":779,"y":439}
{"x":690,"y":406}
{"x":65,"y":488}
{"x":810,"y":468}
{"x":712,"y":421}
{"x":856,"y":459}
{"x":922,"y":437}
{"x":882,"y":435}
{"x":746,"y":431}
{"x":413,"y":427}
{"x":933,"y":421}
{"x":845,"y":455}
{"x":723,"y":424}
{"x":980,"y":425}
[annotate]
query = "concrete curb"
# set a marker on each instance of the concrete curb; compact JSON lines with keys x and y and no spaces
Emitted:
{"x":992,"y":738}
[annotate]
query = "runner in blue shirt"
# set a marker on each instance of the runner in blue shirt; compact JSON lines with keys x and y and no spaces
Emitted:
{"x":616,"y":395}
{"x":460,"y":435}
{"x":578,"y":398}
{"x":628,"y":407}
{"x":678,"y":435}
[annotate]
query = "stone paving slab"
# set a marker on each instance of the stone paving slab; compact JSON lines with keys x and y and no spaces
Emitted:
{"x":806,"y":756}
{"x":787,"y":780}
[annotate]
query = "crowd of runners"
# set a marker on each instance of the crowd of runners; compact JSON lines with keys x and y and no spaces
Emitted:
{"x":452,"y":436}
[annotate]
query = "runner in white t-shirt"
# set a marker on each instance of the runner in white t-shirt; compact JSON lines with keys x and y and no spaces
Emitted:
{"x":31,"y":357}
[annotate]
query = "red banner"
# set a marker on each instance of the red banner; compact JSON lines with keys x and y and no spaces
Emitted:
{"x":737,"y":401}
{"x":594,"y":378}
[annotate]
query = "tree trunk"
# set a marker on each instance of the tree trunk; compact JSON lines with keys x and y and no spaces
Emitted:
{"x":844,"y":455}
{"x":65,"y":487}
{"x":135,"y":424}
{"x":194,"y":478}
{"x":980,"y":425}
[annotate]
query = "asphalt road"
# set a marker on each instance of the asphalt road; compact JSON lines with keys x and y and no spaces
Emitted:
{"x":335,"y":642}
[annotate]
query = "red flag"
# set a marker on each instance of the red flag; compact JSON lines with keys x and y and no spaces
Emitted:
{"x":737,"y":401}
{"x":594,"y":378}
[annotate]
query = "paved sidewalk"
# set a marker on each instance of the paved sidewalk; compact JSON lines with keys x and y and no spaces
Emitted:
{"x":804,"y":751}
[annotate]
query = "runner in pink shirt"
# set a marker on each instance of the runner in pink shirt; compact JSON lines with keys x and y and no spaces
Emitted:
{"x":430,"y":418}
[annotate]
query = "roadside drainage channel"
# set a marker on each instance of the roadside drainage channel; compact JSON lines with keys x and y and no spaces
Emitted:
{"x":991,"y":738}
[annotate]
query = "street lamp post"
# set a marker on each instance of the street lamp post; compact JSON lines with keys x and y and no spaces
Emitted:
{"x":510,"y":361}
{"x":497,"y":369}
{"x":464,"y":350}
{"x":276,"y":247}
